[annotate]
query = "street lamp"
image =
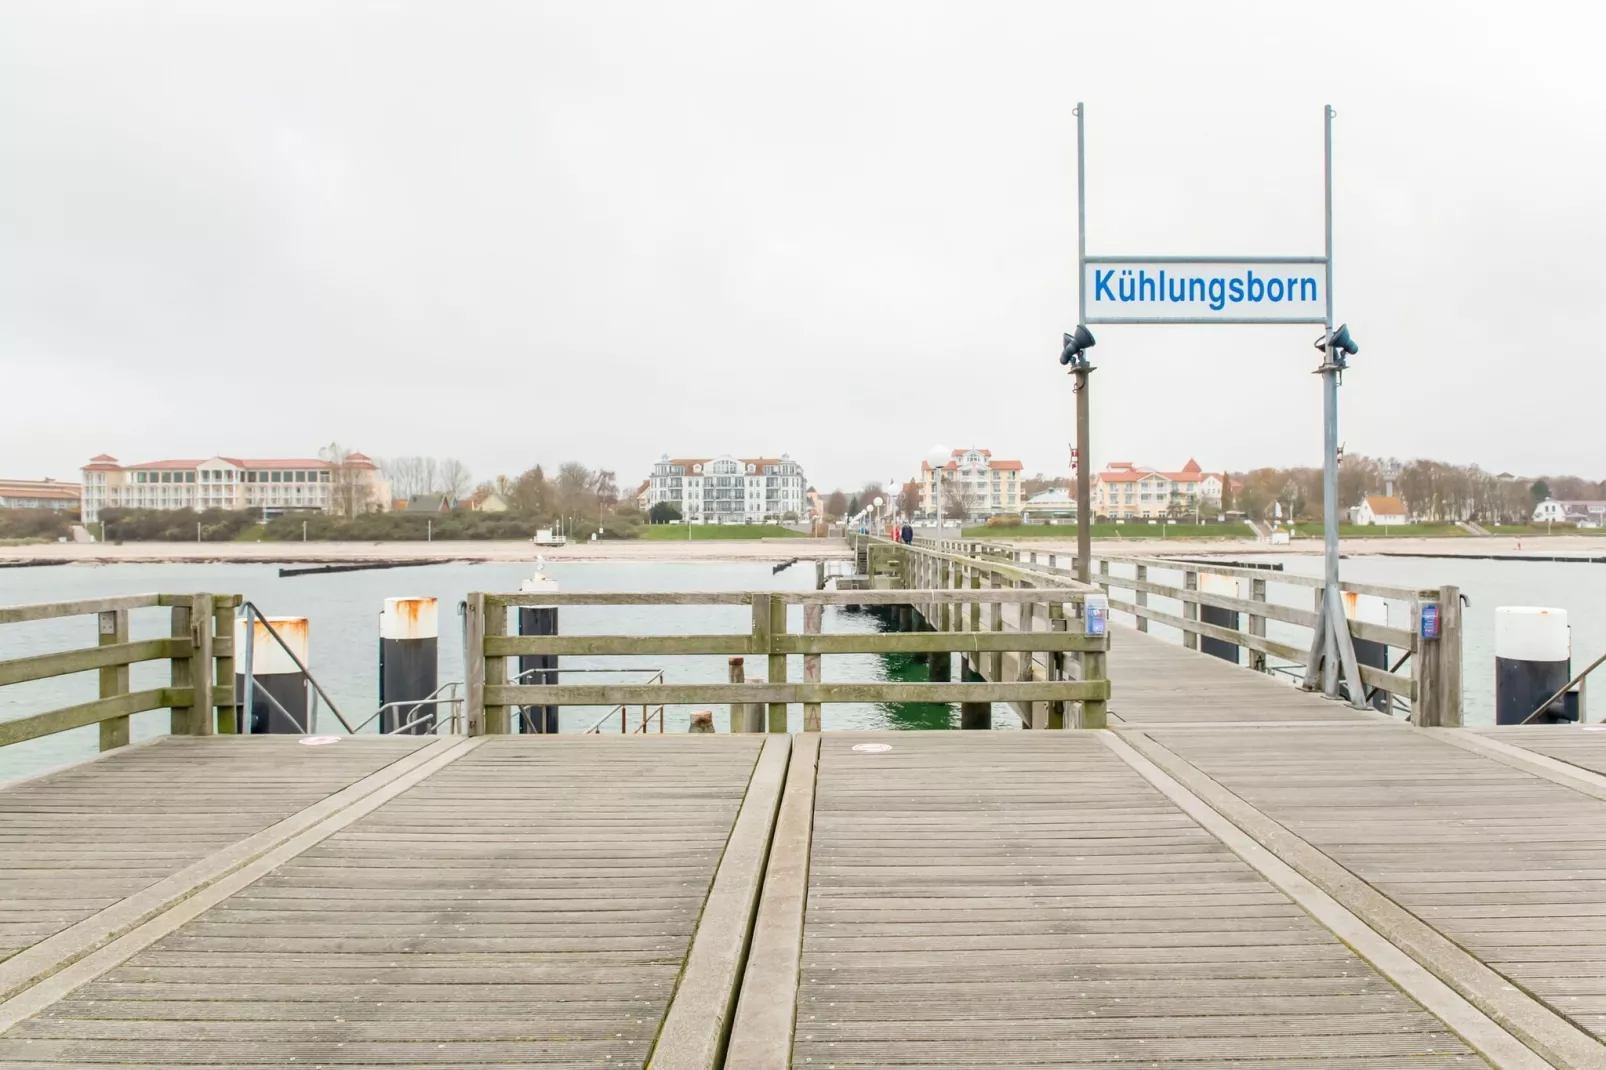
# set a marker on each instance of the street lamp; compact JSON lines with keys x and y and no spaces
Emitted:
{"x":876,"y":513}
{"x":1074,"y":353}
{"x":938,"y":455}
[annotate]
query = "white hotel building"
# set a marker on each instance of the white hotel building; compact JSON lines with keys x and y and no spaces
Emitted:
{"x":271,"y":487}
{"x":730,"y":490}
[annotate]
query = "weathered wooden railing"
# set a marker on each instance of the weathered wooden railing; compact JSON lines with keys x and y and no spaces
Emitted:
{"x":1225,"y":609}
{"x":199,"y":650}
{"x":489,"y":647}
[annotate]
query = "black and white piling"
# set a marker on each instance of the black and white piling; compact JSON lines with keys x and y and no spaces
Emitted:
{"x":1532,"y":661}
{"x":1369,"y":609}
{"x":1227,"y":587}
{"x":409,"y":668}
{"x":279,"y":702}
{"x":538,"y":669}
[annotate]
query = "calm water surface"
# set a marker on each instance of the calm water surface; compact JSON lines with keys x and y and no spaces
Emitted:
{"x":343,"y":615}
{"x":343,"y":610}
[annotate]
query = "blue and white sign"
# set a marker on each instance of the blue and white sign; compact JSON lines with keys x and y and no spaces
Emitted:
{"x":1207,"y":290}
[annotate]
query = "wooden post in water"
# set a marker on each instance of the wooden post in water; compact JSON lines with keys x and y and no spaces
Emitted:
{"x":114,"y":678}
{"x":813,"y":617}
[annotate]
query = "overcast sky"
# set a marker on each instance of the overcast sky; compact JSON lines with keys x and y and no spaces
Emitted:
{"x":604,"y":231}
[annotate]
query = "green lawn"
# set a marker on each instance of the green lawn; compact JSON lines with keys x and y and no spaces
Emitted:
{"x":1380,"y":531}
{"x":1530,"y":529}
{"x":1112,"y":531}
{"x":668,"y":532}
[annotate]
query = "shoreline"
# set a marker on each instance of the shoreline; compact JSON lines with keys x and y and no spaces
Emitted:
{"x":1502,"y":547}
{"x":416,"y":553}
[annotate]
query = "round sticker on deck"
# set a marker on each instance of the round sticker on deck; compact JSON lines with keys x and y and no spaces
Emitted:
{"x":872,"y":748}
{"x":319,"y":741}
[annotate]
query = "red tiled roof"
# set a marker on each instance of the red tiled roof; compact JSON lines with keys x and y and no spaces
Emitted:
{"x":103,"y":457}
{"x":34,"y":488}
{"x":1383,"y":505}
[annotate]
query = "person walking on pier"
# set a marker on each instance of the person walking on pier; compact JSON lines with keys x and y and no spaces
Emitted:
{"x":908,"y":533}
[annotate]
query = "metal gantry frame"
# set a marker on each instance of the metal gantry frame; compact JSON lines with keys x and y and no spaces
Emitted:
{"x":1331,"y":649}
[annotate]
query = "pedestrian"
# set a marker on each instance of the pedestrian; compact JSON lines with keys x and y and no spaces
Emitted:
{"x":908,"y":533}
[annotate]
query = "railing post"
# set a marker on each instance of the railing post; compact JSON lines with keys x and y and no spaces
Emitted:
{"x":1190,"y":610}
{"x":813,"y":615}
{"x":1257,"y":624}
{"x":1026,"y":666}
{"x":737,"y":674}
{"x":113,"y":678}
{"x":1056,"y":662}
{"x":995,"y":623}
{"x":1141,"y":597}
{"x":777,"y":673}
{"x":474,"y":662}
{"x":180,"y":671}
{"x":223,"y":697}
{"x":1094,"y":712}
{"x":202,"y":720}
{"x":494,"y":622}
{"x":1450,"y":657}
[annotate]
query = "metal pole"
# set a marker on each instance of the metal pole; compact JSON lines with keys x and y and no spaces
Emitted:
{"x":938,"y":496}
{"x":1084,"y":495}
{"x":1329,"y":432}
{"x":250,"y":669}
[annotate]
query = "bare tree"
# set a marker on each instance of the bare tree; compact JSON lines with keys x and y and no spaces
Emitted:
{"x":954,"y":505}
{"x":836,"y":505}
{"x":455,"y":478}
{"x":576,"y":488}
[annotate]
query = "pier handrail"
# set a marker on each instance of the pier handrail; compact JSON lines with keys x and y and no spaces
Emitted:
{"x":1431,"y":692}
{"x":489,"y":646}
{"x":251,"y":611}
{"x":199,"y":649}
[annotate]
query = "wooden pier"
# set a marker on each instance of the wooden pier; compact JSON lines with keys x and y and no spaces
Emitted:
{"x":1215,"y":871}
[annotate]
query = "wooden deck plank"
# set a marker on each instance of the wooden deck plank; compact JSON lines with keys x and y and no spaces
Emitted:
{"x":576,"y":952}
{"x":1475,"y":848}
{"x":995,"y":940}
{"x":1152,"y":680}
{"x":84,"y":839}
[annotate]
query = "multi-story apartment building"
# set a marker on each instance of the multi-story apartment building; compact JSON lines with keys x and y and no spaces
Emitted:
{"x":1127,"y":491}
{"x":986,"y":485}
{"x":38,"y":494}
{"x":730,"y":490}
{"x":273,"y":487}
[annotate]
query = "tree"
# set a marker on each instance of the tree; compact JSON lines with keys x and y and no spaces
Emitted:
{"x":1226,"y":492}
{"x":909,"y":499}
{"x":954,"y":506}
{"x":1539,"y":491}
{"x":836,"y":505}
{"x":869,"y":494}
{"x":605,"y":485}
{"x":532,"y":494}
{"x":664,"y":513}
{"x":455,"y":480}
{"x":576,"y":490}
{"x":853,"y":506}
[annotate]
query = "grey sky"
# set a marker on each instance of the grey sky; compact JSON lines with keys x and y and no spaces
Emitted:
{"x":533,"y":232}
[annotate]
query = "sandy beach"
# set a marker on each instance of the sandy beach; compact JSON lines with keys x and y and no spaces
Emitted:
{"x":1537,"y":547}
